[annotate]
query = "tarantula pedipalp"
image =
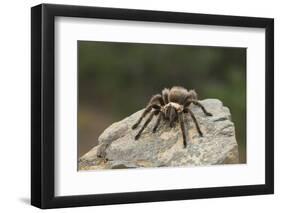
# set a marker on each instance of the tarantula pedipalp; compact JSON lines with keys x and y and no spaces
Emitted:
{"x":170,"y":106}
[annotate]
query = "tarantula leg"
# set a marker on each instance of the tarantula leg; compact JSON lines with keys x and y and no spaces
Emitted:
{"x":147,"y":110}
{"x":156,"y":98}
{"x":144,"y":125}
{"x":194,"y":120}
{"x":165,"y":94}
{"x":202,"y":107}
{"x":173,"y":116}
{"x":180,"y":115}
{"x":152,"y":104}
{"x":160,"y":116}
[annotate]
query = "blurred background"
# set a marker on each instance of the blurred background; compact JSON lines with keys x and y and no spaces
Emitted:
{"x":117,"y":79}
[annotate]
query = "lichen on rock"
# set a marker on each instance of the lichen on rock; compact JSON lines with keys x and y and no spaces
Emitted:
{"x":164,"y":148}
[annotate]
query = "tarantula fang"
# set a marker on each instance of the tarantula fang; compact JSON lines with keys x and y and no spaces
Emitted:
{"x":171,"y":106}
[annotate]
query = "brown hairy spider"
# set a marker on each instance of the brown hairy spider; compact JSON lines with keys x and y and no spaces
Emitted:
{"x":170,"y":106}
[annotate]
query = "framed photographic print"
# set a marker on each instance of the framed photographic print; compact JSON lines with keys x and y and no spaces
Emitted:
{"x":139,"y":106}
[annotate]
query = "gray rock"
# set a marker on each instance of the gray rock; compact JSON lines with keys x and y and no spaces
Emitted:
{"x":165,"y":147}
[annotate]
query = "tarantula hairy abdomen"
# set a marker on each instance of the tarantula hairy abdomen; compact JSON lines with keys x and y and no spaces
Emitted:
{"x":170,"y":106}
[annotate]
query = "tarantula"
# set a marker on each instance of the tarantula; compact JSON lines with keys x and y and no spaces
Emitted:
{"x":171,"y":106}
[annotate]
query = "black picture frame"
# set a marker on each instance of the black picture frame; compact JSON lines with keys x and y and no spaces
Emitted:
{"x":43,"y":102}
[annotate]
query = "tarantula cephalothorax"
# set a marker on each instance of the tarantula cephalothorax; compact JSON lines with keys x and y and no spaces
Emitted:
{"x":170,"y":106}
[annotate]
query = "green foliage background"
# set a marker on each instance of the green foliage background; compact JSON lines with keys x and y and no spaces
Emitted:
{"x":117,"y":79}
